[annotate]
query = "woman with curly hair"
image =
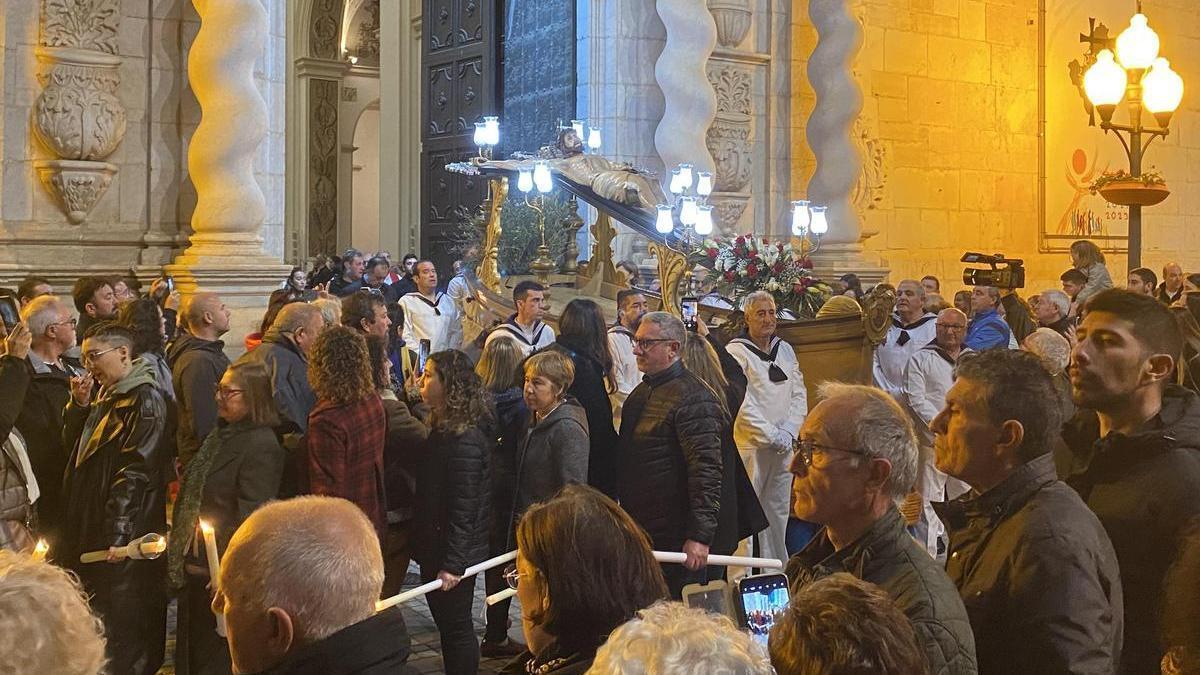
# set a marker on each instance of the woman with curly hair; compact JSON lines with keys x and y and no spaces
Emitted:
{"x":452,"y":505}
{"x":144,"y":318}
{"x":347,"y":426}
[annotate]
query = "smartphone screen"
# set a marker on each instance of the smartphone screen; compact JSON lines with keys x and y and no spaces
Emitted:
{"x":761,"y":599}
{"x":690,"y":308}
{"x":10,"y":311}
{"x":422,"y":356}
{"x":712,"y":597}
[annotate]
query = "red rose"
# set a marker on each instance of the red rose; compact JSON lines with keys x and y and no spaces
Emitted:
{"x":797,"y":288}
{"x":778,"y":267}
{"x":712,"y":254}
{"x":740,"y":241}
{"x":729,"y":276}
{"x":752,"y":270}
{"x":806,"y":263}
{"x":779,"y":246}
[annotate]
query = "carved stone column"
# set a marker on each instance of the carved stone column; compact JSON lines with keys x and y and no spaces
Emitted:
{"x":839,"y":163}
{"x":226,"y":248}
{"x":691,"y":104}
{"x":78,"y":117}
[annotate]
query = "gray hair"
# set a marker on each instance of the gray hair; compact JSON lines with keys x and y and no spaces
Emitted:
{"x":920,"y":288}
{"x":38,"y":314}
{"x":755,"y":298}
{"x":670,"y":639}
{"x":881,"y":429}
{"x":331,"y":310}
{"x":1050,"y":347}
{"x":668,"y":324}
{"x":293,"y":317}
{"x":992,"y":292}
{"x":317,"y":558}
{"x":1058,"y":298}
{"x":45,"y":623}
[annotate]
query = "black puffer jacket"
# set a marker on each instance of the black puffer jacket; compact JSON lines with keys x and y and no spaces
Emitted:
{"x":511,"y":413}
{"x":196,"y":367}
{"x":453,"y":504}
{"x":1145,"y":488}
{"x":40,"y":424}
{"x":15,"y":509}
{"x":669,"y":458}
{"x":590,"y":388}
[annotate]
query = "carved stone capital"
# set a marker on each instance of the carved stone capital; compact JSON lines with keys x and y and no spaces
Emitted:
{"x":77,"y":185}
{"x":733,"y":20}
{"x":729,"y":208}
{"x":78,"y":115}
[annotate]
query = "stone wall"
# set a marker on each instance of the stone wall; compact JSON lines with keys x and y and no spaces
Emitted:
{"x":142,"y":219}
{"x":951,"y":99}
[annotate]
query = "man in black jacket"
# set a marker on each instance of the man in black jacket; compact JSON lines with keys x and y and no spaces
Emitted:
{"x":1031,"y":561}
{"x":669,"y":454}
{"x":298,"y":588}
{"x":1135,"y":460}
{"x":198,"y":361}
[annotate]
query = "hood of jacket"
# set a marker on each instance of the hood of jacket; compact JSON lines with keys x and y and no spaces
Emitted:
{"x":142,"y":372}
{"x":185,"y":342}
{"x":569,"y":409}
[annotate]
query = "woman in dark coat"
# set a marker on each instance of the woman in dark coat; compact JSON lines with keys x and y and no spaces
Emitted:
{"x":583,"y":337}
{"x":452,"y":499}
{"x":114,"y":492}
{"x":499,"y":368}
{"x":238,"y":468}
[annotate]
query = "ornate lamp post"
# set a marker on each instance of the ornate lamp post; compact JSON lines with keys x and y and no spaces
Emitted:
{"x":528,"y":180}
{"x":1136,"y":74}
{"x":809,"y":222}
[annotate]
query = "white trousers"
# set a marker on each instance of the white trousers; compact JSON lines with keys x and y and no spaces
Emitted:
{"x":768,"y":471}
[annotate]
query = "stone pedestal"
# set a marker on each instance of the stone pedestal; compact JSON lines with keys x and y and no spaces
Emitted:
{"x":225,"y":253}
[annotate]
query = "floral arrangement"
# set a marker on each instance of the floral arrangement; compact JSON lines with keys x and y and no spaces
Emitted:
{"x":1147,"y":178}
{"x":749,"y":263}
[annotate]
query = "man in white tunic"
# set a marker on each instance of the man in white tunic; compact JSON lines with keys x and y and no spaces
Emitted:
{"x":429,"y":315}
{"x":912,"y":328}
{"x":525,"y":327}
{"x":775,"y":406}
{"x":928,"y":375}
{"x":631,"y":306}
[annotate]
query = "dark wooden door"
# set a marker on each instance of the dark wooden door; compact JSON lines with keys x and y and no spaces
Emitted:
{"x":459,"y":66}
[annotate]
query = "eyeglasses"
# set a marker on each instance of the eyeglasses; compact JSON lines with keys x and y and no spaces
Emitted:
{"x":806,"y":446}
{"x":646,"y":343}
{"x":90,"y":357}
{"x":226,"y":392}
{"x":72,"y":321}
{"x":372,"y":291}
{"x":512,"y":576}
{"x":951,"y":326}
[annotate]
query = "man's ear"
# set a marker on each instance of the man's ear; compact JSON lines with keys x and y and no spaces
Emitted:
{"x":1160,"y":367}
{"x":879,"y":470}
{"x":1008,"y":442}
{"x":90,"y":309}
{"x":282,"y":634}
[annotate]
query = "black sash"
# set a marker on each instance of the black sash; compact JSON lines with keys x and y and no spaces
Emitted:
{"x":933,"y":347}
{"x":773,"y":371}
{"x":904,"y":328}
{"x":433,"y":304}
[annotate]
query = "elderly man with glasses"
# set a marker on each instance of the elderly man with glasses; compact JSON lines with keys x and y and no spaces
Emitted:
{"x":928,"y":375}
{"x":669,"y":469}
{"x":857,"y":455}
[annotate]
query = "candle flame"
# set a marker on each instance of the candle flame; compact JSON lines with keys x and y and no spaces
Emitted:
{"x":205,"y":527}
{"x":39,"y":551}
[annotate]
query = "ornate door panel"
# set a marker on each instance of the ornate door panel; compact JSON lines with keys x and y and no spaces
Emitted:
{"x":459,"y":65}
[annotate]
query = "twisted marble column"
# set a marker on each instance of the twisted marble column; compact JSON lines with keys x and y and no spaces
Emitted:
{"x":230,"y":207}
{"x":691,"y":104}
{"x":838,"y":104}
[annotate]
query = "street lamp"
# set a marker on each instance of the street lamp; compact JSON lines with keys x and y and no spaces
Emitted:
{"x":1134,"y":73}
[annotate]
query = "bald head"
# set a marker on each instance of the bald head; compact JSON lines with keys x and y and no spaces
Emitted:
{"x":951,"y":329}
{"x":312,"y":561}
{"x":205,"y":316}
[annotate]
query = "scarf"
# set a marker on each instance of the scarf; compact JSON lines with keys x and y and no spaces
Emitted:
{"x":187,"y":505}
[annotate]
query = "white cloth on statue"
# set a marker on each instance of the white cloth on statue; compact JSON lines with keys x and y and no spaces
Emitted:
{"x":625,"y":369}
{"x":901,"y":343}
{"x":928,"y":376}
{"x":435,"y":319}
{"x":769,"y":421}
{"x":528,"y":338}
{"x":459,"y":290}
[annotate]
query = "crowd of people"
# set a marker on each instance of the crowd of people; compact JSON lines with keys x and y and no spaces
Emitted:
{"x":1016,"y":490}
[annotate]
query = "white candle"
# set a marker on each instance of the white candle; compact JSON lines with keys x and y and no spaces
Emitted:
{"x":148,"y":547}
{"x":721,"y":560}
{"x":39,"y":551}
{"x":436,"y":584}
{"x":214,"y":565}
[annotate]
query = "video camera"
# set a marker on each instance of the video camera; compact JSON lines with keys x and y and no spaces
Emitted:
{"x":1010,"y":276}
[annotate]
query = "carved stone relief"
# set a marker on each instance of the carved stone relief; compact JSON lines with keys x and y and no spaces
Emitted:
{"x":733,"y":20}
{"x":326,"y":29}
{"x":730,"y":140}
{"x":78,"y":116}
{"x":323,"y":166}
{"x":868,"y":192}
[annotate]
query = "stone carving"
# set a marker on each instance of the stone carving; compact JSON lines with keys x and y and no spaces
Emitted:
{"x":323,"y":144}
{"x":868,"y":192}
{"x":81,"y":24}
{"x":78,"y":116}
{"x":729,"y":137}
{"x":691,"y":104}
{"x":838,"y":103}
{"x":77,"y":185}
{"x":326,"y":29}
{"x":349,"y":94}
{"x":733,"y":20}
{"x":729,"y":209}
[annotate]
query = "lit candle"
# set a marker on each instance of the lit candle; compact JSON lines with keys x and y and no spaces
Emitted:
{"x":40,"y":551}
{"x":214,"y":565}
